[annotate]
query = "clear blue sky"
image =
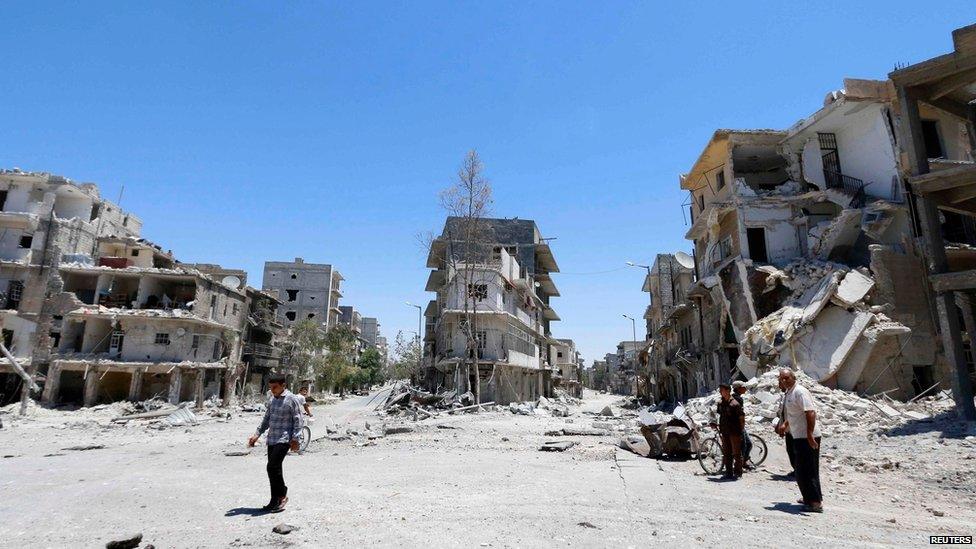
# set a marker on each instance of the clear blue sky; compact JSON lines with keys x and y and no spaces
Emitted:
{"x":246,"y":132}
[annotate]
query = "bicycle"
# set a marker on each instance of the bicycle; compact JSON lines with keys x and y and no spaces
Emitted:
{"x":710,"y":453}
{"x":306,"y":435}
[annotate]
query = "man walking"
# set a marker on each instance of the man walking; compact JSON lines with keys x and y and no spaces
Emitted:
{"x":731,"y":424}
{"x":283,"y":421}
{"x":801,"y":422}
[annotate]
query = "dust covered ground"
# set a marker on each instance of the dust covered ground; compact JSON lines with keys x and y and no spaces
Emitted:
{"x":460,"y":481}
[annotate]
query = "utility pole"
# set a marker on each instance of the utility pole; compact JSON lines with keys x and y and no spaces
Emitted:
{"x":650,"y":302}
{"x":633,"y":327}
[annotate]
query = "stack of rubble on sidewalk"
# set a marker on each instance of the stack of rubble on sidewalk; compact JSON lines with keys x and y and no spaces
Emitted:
{"x":839,"y":411}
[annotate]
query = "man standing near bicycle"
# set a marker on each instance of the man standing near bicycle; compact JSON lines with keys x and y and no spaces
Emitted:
{"x":731,"y":426}
{"x":283,"y":421}
{"x":801,"y":422}
{"x":739,"y":390}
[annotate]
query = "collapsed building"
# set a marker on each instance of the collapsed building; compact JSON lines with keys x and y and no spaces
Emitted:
{"x":566,"y":360}
{"x":97,"y":314}
{"x":806,"y":252}
{"x":488,"y":330}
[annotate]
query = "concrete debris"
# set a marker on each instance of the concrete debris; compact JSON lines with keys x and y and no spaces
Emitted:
{"x":284,"y":528}
{"x":840,"y":410}
{"x":82,"y":448}
{"x":180,"y":417}
{"x":125,"y":543}
{"x":399,"y":429}
{"x":557,"y":445}
{"x":577,"y":431}
{"x":608,"y":411}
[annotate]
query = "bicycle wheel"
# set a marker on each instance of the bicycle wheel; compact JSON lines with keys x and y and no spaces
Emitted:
{"x":306,"y":438}
{"x":759,"y":451}
{"x":710,"y":456}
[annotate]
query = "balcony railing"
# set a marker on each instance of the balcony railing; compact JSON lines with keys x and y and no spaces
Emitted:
{"x":849,"y":185}
{"x":260,"y":349}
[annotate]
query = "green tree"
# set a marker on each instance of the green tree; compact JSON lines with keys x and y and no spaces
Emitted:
{"x":339,"y":369}
{"x":406,"y":356}
{"x":371,"y":364}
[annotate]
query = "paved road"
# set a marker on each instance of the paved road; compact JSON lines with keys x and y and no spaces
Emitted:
{"x":477,"y":481}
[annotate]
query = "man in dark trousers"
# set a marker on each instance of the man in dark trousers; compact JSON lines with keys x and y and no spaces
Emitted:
{"x":739,"y":391}
{"x":731,"y":425}
{"x":782,"y":431}
{"x":283,"y":422}
{"x":801,"y":422}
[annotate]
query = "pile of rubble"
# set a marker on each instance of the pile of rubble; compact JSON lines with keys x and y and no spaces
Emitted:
{"x":839,"y":411}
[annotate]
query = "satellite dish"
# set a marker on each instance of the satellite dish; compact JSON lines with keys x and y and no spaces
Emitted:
{"x":231,"y":281}
{"x":685,"y":260}
{"x":180,"y":332}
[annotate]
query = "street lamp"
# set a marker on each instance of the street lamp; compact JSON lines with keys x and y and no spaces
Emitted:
{"x":420,"y":317}
{"x":650,"y":296}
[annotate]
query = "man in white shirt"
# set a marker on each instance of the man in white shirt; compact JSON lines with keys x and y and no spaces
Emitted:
{"x":801,"y":423}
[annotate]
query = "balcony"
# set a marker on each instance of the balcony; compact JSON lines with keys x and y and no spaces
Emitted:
{"x":261,"y":350}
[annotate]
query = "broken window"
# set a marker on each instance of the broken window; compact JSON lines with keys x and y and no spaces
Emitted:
{"x":236,"y":309}
{"x":161,"y":338}
{"x":115,"y":342}
{"x":195,"y":342}
{"x":311,"y":315}
{"x":725,"y":248}
{"x":933,"y":141}
{"x":481,"y":337}
{"x":719,"y":180}
{"x":290,"y":315}
{"x":3,"y":199}
{"x":478,"y":292}
{"x":292,"y":295}
{"x":8,"y":339}
{"x":701,"y":202}
{"x":294,"y":276}
{"x":26,"y":240}
{"x":757,"y":244}
{"x":135,"y":253}
{"x":15,"y":290}
{"x":217,"y":348}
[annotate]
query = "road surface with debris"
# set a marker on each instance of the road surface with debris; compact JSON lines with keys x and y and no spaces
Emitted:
{"x":455,"y":480}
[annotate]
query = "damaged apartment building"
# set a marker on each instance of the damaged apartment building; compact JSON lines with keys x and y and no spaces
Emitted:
{"x":488,"y":330}
{"x":805,"y":251}
{"x":98,"y":314}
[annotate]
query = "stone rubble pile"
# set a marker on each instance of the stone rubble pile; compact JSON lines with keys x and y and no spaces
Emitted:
{"x":839,"y":411}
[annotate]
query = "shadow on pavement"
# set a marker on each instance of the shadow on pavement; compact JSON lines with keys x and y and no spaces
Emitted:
{"x":787,"y":478}
{"x":249,"y":511}
{"x":791,"y":508}
{"x":721,"y":479}
{"x":947,"y":424}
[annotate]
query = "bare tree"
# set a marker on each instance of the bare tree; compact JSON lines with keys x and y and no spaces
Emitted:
{"x":468,"y":203}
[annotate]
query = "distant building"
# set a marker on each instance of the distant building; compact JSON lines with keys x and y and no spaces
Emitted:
{"x":307,"y":291}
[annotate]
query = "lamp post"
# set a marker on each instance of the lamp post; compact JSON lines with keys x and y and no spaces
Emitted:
{"x":420,"y":317}
{"x":633,"y":327}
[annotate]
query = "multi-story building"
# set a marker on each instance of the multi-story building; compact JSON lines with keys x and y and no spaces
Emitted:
{"x":488,"y":328}
{"x":805,"y":248}
{"x":261,"y":354}
{"x":370,"y":328}
{"x":307,"y":291}
{"x":100,"y":314}
{"x":938,"y":138}
{"x":564,"y":357}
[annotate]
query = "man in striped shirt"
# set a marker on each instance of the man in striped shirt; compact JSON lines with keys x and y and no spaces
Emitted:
{"x":283,"y":422}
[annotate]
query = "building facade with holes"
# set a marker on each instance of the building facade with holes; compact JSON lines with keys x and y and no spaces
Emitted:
{"x":307,"y":291}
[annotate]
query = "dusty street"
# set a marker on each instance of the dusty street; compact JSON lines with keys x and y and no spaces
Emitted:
{"x":459,"y":481}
